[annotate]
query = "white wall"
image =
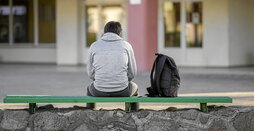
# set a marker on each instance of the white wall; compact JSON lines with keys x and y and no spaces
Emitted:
{"x":216,"y":32}
{"x":241,"y":32}
{"x":28,"y":55}
{"x":67,"y":32}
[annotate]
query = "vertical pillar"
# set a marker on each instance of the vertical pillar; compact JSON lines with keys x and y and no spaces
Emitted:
{"x":142,"y":32}
{"x":67,"y":32}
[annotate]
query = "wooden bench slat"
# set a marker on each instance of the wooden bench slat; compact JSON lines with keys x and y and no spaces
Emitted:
{"x":87,"y":99}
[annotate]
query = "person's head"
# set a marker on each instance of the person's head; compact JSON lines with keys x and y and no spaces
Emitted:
{"x":113,"y":27}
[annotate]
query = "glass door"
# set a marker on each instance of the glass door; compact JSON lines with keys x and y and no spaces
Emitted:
{"x":194,"y":23}
{"x":181,"y":30}
{"x":94,"y":15}
{"x":4,"y":21}
{"x":172,"y":23}
{"x":92,"y":24}
{"x":179,"y":16}
{"x":97,"y":17}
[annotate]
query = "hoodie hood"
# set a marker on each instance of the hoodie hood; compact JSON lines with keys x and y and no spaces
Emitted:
{"x":110,"y":37}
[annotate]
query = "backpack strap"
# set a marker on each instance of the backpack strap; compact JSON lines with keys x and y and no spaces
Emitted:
{"x":151,"y":90}
{"x":159,"y":67}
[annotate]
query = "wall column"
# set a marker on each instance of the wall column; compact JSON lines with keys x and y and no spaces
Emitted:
{"x":142,"y":32}
{"x":67,"y":32}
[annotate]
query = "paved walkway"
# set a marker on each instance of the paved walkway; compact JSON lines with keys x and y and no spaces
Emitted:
{"x":72,"y":80}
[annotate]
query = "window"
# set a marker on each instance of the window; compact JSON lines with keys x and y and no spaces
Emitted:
{"x":188,"y":30}
{"x":4,"y":21}
{"x":23,"y":21}
{"x":47,"y":21}
{"x":194,"y":26}
{"x":172,"y":23}
{"x":27,"y":21}
{"x":112,"y":13}
{"x":97,"y":17}
{"x":92,"y":24}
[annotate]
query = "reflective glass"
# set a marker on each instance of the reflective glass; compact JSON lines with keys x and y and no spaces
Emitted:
{"x":172,"y":23}
{"x":23,"y":21}
{"x":194,"y":27}
{"x":47,"y":21}
{"x":92,"y":24}
{"x":112,"y":13}
{"x":4,"y":21}
{"x":96,"y":20}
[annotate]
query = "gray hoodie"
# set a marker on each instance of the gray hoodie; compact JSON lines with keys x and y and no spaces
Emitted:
{"x":111,"y":63}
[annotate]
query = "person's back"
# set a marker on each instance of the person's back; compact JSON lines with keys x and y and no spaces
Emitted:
{"x":111,"y":65}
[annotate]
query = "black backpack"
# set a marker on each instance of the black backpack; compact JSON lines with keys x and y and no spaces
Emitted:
{"x":165,"y":79}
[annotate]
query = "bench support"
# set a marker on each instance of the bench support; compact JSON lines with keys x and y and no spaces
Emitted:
{"x":127,"y":107}
{"x":203,"y":107}
{"x":131,"y":106}
{"x":32,"y":108}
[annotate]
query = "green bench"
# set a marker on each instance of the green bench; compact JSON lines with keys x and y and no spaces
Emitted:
{"x":33,"y":99}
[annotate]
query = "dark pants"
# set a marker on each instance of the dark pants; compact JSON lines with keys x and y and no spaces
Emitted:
{"x":131,"y":90}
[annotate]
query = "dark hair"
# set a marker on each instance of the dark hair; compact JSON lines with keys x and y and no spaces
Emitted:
{"x":114,"y":27}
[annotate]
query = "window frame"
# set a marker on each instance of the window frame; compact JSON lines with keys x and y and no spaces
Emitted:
{"x":183,"y":19}
{"x":99,"y":4}
{"x":36,"y":42}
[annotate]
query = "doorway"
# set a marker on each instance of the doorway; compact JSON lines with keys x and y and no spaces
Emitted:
{"x":96,"y":13}
{"x":181,"y":30}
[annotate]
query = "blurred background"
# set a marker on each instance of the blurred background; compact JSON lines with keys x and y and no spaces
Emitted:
{"x":44,"y":43}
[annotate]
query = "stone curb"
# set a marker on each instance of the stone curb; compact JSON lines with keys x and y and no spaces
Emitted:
{"x":233,"y":118}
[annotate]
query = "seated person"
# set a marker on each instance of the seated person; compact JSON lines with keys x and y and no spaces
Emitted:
{"x":111,"y":65}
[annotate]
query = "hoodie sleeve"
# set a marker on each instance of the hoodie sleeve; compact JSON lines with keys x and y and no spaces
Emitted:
{"x":132,"y":67}
{"x":90,"y":68}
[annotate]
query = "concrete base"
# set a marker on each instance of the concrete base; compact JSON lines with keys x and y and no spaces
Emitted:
{"x":78,"y":119}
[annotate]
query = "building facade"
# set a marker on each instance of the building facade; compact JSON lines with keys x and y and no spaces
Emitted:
{"x":207,"y":33}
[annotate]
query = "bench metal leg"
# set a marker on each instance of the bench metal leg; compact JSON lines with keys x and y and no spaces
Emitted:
{"x":203,"y":107}
{"x":127,"y":107}
{"x":131,"y":106}
{"x":32,"y":108}
{"x":90,"y":106}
